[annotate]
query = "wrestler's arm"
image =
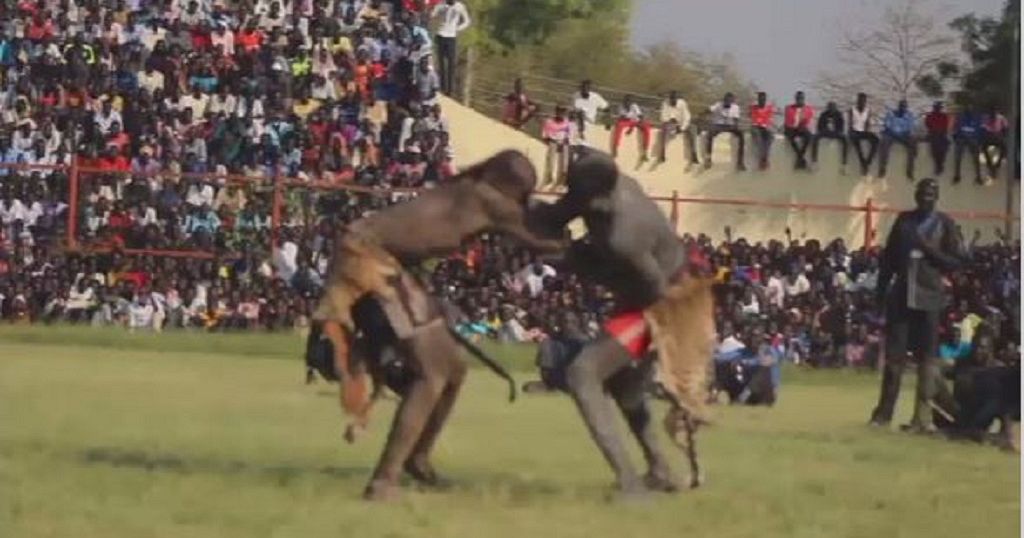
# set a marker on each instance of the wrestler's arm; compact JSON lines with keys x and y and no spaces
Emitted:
{"x":536,"y":228}
{"x":634,"y":239}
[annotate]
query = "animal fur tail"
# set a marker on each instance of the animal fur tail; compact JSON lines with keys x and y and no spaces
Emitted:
{"x":487,"y":360}
{"x":682,"y":327}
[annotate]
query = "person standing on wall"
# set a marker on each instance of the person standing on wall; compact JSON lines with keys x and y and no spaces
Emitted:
{"x":923,"y":246}
{"x":454,"y":20}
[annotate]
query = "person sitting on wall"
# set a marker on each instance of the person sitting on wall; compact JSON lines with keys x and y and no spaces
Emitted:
{"x":798,"y":128}
{"x":725,"y":118}
{"x":898,"y":129}
{"x":762,"y":115}
{"x":861,"y":119}
{"x":832,"y":126}
{"x":631,"y":117}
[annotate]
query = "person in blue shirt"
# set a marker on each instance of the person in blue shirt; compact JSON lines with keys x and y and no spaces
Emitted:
{"x":967,"y":136}
{"x":898,"y":129}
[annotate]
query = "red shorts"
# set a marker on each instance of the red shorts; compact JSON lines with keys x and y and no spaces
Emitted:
{"x":630,"y":329}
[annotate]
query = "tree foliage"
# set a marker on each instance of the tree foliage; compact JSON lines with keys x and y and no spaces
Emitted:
{"x":988,"y":43}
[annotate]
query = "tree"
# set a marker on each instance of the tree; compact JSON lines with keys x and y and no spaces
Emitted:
{"x":894,"y":58}
{"x":988,"y":43}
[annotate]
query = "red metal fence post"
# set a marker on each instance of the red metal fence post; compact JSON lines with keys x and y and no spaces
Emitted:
{"x":73,"y":204}
{"x":275,"y":214}
{"x":673,"y":215}
{"x":869,"y":223}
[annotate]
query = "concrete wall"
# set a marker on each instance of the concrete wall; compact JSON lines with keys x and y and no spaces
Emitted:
{"x":475,"y":137}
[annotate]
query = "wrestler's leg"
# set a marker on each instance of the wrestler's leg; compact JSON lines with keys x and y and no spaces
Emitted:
{"x":586,"y":377}
{"x":628,"y":389}
{"x":411,"y":416}
{"x":354,"y":381}
{"x":453,"y":371}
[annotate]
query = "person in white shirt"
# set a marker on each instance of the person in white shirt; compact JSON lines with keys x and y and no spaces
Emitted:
{"x":675,"y":120}
{"x":631,"y":117}
{"x":725,"y":118}
{"x":81,"y":299}
{"x":286,"y":259}
{"x":454,"y":18}
{"x":151,"y":79}
{"x":533,"y":275}
{"x":775,"y":290}
{"x":588,"y":105}
{"x":860,"y":120}
{"x":140,"y":313}
{"x":797,"y":284}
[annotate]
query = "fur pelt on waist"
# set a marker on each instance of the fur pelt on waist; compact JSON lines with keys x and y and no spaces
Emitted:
{"x":359,"y":266}
{"x":682,"y":328}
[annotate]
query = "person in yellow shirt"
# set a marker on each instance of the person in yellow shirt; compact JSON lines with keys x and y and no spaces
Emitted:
{"x":304,"y":107}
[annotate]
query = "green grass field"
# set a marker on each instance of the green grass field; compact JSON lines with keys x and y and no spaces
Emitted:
{"x":104,"y":434}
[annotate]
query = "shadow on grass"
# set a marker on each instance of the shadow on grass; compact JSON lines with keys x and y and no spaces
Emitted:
{"x":172,"y":463}
{"x":508,"y":486}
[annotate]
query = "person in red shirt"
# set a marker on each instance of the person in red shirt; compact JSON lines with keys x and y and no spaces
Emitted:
{"x":761,"y":116}
{"x":797,"y":128}
{"x":938,"y":124}
{"x":39,"y":29}
{"x":519,"y":110}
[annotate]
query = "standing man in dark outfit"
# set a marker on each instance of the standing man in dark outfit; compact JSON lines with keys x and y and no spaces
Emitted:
{"x":454,"y":19}
{"x":922,"y":245}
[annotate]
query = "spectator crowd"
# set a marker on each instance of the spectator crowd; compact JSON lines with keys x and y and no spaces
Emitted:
{"x":173,"y":107}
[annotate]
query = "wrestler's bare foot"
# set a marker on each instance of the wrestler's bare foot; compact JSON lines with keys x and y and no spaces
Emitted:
{"x":353,"y":432}
{"x":379,"y":490}
{"x":423,"y":473}
{"x":661,"y":480}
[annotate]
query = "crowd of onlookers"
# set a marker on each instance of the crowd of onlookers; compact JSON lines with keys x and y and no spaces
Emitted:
{"x":167,"y":104}
{"x":869,"y":132}
{"x":803,"y":302}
